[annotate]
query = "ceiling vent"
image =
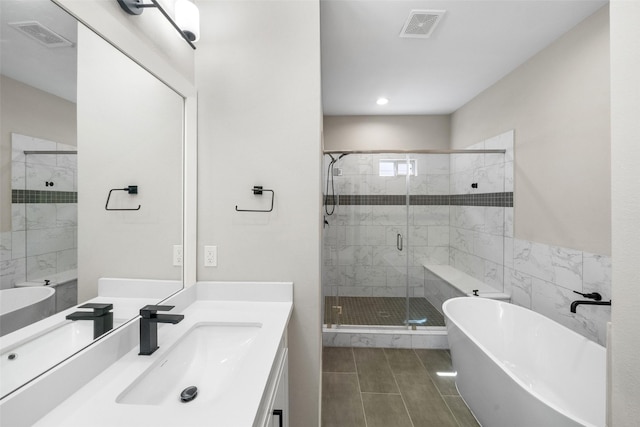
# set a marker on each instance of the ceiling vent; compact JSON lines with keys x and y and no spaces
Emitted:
{"x":421,"y":23}
{"x":41,"y":34}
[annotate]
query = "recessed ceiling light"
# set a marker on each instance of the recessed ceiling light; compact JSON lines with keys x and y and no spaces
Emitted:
{"x":382,"y":101}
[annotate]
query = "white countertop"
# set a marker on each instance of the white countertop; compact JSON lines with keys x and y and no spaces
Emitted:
{"x":124,"y":309}
{"x":95,"y":402}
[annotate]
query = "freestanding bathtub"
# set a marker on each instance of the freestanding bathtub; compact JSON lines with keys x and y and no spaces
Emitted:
{"x":516,"y":367}
{"x":20,"y":307}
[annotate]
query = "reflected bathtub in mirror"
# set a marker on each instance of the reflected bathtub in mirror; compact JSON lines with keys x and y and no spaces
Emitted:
{"x":20,"y":307}
{"x":65,"y":120}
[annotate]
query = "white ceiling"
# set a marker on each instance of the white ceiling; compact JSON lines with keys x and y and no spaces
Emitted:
{"x":24,"y":59}
{"x":476,"y":44}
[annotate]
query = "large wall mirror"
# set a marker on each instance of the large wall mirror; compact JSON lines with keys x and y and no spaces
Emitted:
{"x":80,"y":123}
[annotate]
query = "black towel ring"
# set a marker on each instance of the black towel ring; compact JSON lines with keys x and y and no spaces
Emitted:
{"x":258,"y":190}
{"x":131,"y":189}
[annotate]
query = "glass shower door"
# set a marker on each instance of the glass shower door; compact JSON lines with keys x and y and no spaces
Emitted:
{"x":427,"y":231}
{"x":386,"y":217}
{"x":389,"y":218}
{"x":50,"y":214}
{"x":369,"y":254}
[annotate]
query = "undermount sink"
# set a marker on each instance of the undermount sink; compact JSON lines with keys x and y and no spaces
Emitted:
{"x":208,"y":356}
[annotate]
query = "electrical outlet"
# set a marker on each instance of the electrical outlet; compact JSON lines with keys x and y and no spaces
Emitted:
{"x":177,"y":255}
{"x":210,"y":256}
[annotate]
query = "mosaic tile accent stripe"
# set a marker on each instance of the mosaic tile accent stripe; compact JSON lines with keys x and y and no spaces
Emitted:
{"x":503,"y":199}
{"x":38,"y":196}
{"x":442,"y":200}
{"x":396,"y":199}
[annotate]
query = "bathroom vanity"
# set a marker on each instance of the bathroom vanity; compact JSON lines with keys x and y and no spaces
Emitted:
{"x":231,"y":347}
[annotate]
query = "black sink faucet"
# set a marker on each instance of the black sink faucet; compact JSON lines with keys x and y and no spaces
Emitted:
{"x":594,"y":299}
{"x":101,"y":316}
{"x":149,"y":326}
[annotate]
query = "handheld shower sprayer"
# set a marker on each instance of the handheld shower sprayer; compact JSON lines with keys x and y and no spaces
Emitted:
{"x":331,"y":197}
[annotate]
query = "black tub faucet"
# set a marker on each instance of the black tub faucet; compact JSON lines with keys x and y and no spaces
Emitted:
{"x":101,"y":316}
{"x":594,"y":299}
{"x":149,"y":326}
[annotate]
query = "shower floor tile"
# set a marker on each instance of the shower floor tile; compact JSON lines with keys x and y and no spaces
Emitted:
{"x":385,"y":311}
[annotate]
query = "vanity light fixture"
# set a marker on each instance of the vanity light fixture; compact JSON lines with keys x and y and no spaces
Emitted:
{"x":382,"y":101}
{"x":187,"y":19}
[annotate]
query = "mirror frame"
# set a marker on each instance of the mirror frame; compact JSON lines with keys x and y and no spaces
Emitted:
{"x":166,"y":73}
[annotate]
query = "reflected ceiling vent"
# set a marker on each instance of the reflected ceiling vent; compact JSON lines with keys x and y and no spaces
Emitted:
{"x":41,"y":34}
{"x":421,"y":23}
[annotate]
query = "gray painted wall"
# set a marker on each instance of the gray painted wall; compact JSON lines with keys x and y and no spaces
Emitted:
{"x":386,"y":132}
{"x":116,"y":152}
{"x":558,"y":105}
{"x":260,"y":119}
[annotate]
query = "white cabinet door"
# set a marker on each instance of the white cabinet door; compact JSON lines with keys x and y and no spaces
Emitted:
{"x":280,"y":410}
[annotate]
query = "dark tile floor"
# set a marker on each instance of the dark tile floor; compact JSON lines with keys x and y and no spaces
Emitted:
{"x":375,"y":387}
{"x":380,"y":311}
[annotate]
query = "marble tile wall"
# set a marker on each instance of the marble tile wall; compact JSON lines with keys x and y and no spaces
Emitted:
{"x":537,"y":276}
{"x":480,"y":234}
{"x":66,"y":295}
{"x":543,"y":278}
{"x":437,"y":291}
{"x":43,"y":236}
{"x":380,"y":338}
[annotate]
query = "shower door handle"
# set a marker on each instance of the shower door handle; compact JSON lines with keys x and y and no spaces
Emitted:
{"x":399,"y":241}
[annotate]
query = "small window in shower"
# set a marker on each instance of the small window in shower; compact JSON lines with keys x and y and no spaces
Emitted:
{"x":398,"y":168}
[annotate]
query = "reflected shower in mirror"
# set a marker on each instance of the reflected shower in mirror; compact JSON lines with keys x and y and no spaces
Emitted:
{"x":38,"y":228}
{"x":78,"y":119}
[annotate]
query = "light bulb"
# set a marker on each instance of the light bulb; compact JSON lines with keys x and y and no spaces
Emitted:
{"x":188,"y":19}
{"x":382,"y":101}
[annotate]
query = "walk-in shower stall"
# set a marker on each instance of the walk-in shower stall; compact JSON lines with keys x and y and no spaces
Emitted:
{"x":44,"y":217}
{"x":388,"y":216}
{"x":46,"y":209}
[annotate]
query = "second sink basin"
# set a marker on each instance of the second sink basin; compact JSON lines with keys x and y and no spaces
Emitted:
{"x":206,"y":357}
